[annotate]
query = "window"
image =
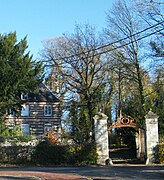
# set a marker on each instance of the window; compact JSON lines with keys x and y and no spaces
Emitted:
{"x":47,"y":127}
{"x":25,"y":129}
{"x":47,"y":110}
{"x":25,"y":110}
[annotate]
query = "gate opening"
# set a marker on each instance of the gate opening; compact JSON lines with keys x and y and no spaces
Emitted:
{"x":122,"y":141}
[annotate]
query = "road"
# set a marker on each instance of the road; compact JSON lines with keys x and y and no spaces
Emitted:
{"x":126,"y":172}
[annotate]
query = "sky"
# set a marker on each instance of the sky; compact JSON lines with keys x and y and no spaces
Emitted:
{"x":41,"y":20}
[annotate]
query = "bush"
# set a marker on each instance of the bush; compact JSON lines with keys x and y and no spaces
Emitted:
{"x":2,"y":139}
{"x":161,"y":153}
{"x":84,"y":154}
{"x":47,"y":154}
{"x":50,"y":154}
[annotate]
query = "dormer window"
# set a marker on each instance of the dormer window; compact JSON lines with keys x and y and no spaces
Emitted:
{"x":47,"y":110}
{"x":24,"y":96}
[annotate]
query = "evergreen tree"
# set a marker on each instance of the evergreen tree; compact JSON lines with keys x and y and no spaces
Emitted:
{"x":18,"y":72}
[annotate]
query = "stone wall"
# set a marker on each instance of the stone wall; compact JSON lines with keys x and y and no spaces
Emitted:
{"x":16,"y":154}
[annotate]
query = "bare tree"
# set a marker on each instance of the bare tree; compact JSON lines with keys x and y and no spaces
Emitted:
{"x":122,"y":27}
{"x":153,"y":12}
{"x":81,"y":69}
{"x":48,"y":55}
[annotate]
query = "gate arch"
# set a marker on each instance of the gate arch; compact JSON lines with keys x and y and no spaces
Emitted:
{"x":124,"y":121}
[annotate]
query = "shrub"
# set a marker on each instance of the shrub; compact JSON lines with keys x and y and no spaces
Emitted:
{"x":161,"y":153}
{"x":2,"y":139}
{"x":50,"y":154}
{"x":85,"y":154}
{"x":65,"y":155}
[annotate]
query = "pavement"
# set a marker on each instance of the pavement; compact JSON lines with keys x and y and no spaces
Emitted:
{"x":21,"y":175}
{"x":115,"y":172}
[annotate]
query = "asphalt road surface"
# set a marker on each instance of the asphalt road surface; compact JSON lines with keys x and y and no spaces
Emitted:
{"x":116,"y":172}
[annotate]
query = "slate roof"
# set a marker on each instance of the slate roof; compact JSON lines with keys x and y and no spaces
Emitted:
{"x":43,"y":94}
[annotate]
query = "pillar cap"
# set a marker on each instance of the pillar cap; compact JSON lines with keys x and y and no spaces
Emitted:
{"x":100,"y":116}
{"x":151,"y":115}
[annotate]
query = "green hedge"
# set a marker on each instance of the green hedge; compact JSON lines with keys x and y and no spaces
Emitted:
{"x":65,"y":154}
{"x":161,"y":153}
{"x":50,"y":154}
{"x":83,"y":154}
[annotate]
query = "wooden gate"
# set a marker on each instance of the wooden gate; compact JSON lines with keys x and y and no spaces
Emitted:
{"x":129,"y":122}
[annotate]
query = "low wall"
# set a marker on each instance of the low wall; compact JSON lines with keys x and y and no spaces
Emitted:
{"x":46,"y":154}
{"x":16,"y":154}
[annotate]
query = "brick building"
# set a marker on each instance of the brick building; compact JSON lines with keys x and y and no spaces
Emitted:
{"x":40,"y":113}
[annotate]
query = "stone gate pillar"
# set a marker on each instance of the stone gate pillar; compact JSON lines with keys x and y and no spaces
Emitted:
{"x":140,"y":144}
{"x":101,"y":137}
{"x":152,"y":138}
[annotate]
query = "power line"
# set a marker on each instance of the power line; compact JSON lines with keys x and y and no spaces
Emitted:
{"x":137,"y":33}
{"x":143,"y":37}
{"x":114,"y":42}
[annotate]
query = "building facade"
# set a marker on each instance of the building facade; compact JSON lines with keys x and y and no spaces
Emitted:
{"x":40,"y":113}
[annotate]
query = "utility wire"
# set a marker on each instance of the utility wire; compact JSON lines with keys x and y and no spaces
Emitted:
{"x":109,"y":50}
{"x":117,"y":47}
{"x":137,"y":33}
{"x":112,"y":43}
